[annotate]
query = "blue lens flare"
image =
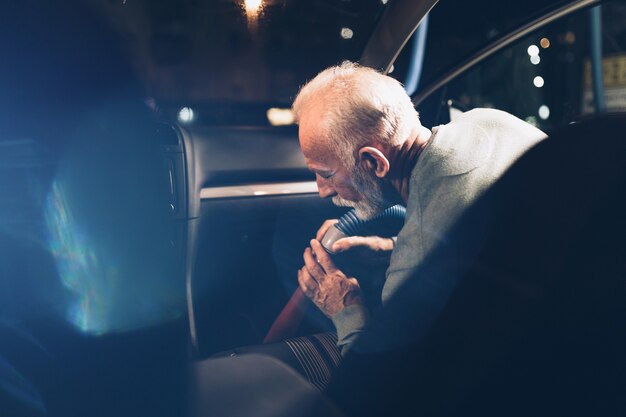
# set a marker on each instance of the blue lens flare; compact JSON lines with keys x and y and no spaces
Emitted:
{"x":112,"y":247}
{"x":114,"y":287}
{"x":86,"y":234}
{"x":19,"y":390}
{"x":79,"y":266}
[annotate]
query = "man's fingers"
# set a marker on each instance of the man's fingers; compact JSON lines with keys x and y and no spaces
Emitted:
{"x":325,"y":226}
{"x":346,"y":243}
{"x":374,"y":243}
{"x":301,"y":284}
{"x":313,"y":267}
{"x":322,"y":257}
{"x":353,"y":281}
{"x":306,"y":283}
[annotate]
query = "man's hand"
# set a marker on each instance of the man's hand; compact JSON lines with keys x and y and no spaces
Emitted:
{"x":329,"y":288}
{"x":324,"y":227}
{"x":374,"y":244}
{"x":372,"y":250}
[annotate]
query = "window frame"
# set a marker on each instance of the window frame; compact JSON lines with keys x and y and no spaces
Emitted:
{"x":499,"y":44}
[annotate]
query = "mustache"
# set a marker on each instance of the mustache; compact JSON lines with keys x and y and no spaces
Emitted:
{"x":372,"y":203}
{"x":342,"y":202}
{"x":364,"y":210}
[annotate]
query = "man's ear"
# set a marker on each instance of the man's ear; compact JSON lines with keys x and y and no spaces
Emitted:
{"x":372,"y":159}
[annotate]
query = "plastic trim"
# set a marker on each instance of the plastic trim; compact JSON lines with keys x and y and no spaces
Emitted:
{"x":258,"y":190}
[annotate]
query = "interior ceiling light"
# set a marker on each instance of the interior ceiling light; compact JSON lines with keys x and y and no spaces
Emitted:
{"x":253,"y":7}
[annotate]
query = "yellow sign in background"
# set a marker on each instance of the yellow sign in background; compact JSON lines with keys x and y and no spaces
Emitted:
{"x":613,"y":71}
{"x":614,"y":79}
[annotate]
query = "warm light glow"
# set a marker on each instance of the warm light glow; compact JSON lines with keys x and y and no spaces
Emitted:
{"x":538,"y":81}
{"x":545,"y":43}
{"x":347,"y":33}
{"x":544,"y":112}
{"x":185,"y":115}
{"x":253,"y":7}
{"x":533,"y":50}
{"x":280,"y":117}
{"x":535,"y":59}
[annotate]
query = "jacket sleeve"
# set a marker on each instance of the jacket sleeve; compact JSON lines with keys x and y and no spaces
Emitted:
{"x":350,"y":322}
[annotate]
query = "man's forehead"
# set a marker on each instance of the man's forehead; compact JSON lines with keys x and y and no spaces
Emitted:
{"x":319,"y":158}
{"x":314,"y":147}
{"x":313,"y":143}
{"x":317,"y":166}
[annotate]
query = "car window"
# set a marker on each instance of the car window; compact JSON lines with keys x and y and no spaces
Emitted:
{"x":452,"y":37}
{"x":545,"y":77}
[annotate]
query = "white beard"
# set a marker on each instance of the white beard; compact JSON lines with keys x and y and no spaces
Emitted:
{"x":373,"y":202}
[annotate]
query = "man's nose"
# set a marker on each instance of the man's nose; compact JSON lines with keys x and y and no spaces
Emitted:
{"x":324,"y":188}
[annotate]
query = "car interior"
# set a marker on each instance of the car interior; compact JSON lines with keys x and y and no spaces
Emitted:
{"x":154,"y":217}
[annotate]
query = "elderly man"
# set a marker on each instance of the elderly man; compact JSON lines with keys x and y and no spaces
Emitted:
{"x":363,"y":139}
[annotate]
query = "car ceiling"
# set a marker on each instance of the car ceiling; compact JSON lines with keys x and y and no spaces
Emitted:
{"x":222,"y":51}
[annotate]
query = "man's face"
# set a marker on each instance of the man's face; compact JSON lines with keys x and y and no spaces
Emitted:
{"x":373,"y":200}
{"x":348,"y":186}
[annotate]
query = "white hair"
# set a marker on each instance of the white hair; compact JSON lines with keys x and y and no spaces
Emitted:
{"x":359,"y":107}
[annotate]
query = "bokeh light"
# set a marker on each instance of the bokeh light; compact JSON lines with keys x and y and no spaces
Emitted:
{"x":186,"y":115}
{"x":347,"y":33}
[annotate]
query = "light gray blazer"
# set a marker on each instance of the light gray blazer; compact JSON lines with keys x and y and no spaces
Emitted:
{"x":461,"y":160}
